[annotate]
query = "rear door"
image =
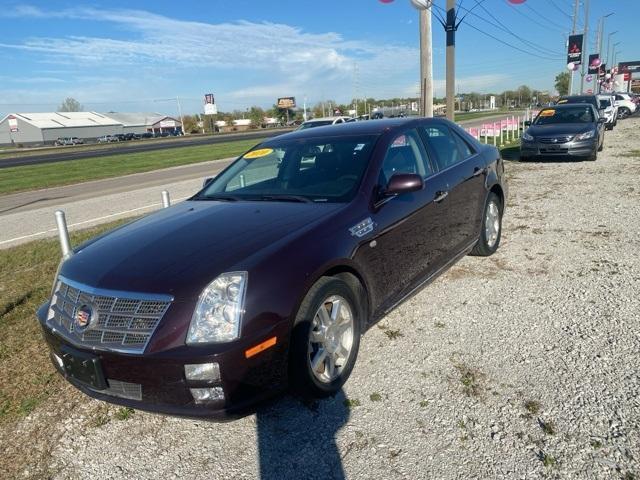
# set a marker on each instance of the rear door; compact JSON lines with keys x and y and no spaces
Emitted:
{"x":410,"y":240}
{"x":464,"y":172}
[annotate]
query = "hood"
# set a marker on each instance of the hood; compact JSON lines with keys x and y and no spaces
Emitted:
{"x":179,"y":250}
{"x":560,"y":129}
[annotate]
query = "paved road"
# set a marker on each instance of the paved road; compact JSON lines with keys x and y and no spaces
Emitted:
{"x":28,"y":216}
{"x":133,"y":147}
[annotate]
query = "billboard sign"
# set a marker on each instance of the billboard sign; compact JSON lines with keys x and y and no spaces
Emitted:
{"x":167,"y":124}
{"x":594,"y":63}
{"x":287,"y":102}
{"x":574,"y":50}
{"x":210,"y":107}
{"x":631,"y":67}
{"x":13,"y":123}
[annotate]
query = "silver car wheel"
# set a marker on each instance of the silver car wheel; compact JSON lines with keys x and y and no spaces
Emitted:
{"x":330,"y":339}
{"x":492,"y":224}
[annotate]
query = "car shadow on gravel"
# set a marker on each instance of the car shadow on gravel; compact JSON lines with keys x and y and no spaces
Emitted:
{"x":298,"y":440}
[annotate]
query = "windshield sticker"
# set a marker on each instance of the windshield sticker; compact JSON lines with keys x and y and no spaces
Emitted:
{"x":547,"y":113}
{"x":562,"y":101}
{"x":359,"y":147}
{"x":263,"y":152}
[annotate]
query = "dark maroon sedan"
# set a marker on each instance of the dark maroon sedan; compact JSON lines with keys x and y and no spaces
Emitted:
{"x":268,"y":277}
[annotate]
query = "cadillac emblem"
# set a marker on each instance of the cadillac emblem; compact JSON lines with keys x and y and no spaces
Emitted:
{"x":84,"y":316}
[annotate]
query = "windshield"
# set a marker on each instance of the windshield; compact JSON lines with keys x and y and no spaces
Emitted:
{"x":605,"y":103}
{"x":591,"y":100}
{"x":550,"y":116}
{"x":322,"y":169}
{"x":320,"y":123}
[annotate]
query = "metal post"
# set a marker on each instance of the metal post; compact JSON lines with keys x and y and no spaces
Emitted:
{"x":426,"y":64}
{"x":166,"y":200}
{"x":494,"y":135}
{"x":63,"y":234}
{"x":451,"y":57}
{"x":585,"y":42}
{"x":243,"y":182}
{"x":518,"y":128}
{"x":576,"y":6}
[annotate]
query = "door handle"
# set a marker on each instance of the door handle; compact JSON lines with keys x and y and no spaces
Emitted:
{"x":479,"y":171}
{"x":440,"y":196}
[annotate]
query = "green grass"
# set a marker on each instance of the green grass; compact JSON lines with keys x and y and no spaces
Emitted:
{"x":27,"y":378}
{"x":124,"y":413}
{"x":29,"y":177}
{"x":375,"y":397}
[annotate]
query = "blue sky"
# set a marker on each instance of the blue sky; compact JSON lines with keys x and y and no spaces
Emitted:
{"x":126,"y":56}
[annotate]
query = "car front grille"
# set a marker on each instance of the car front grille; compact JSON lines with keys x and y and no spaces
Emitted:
{"x":556,"y":140}
{"x":119,"y":321}
{"x":117,"y":388}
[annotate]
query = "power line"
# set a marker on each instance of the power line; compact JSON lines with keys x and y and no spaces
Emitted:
{"x":559,"y":9}
{"x":543,"y":17}
{"x":504,"y":42}
{"x":520,"y":12}
{"x":506,"y":29}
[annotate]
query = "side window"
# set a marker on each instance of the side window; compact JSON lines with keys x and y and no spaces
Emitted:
{"x":463,"y":146}
{"x":406,"y":154}
{"x":443,"y":142}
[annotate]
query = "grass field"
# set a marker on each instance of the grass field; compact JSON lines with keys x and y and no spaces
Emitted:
{"x":26,"y":276}
{"x":31,"y":177}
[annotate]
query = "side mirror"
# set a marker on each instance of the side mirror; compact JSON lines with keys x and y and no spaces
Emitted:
{"x":400,"y":183}
{"x":527,"y":123}
{"x":602,"y":120}
{"x":207,"y":182}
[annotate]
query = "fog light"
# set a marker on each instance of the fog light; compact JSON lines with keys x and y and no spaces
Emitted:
{"x":58,"y":361}
{"x":203,"y":371}
{"x":207,"y":394}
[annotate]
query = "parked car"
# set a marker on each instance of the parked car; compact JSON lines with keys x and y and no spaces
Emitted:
{"x":107,"y":139}
{"x":609,"y":110}
{"x":68,"y":141}
{"x":131,"y":136}
{"x":146,"y":135}
{"x":268,"y":276}
{"x":625,"y":104}
{"x":323,"y":122}
{"x":569,"y":130}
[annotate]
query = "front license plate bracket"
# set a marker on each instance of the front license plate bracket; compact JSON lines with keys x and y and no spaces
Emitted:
{"x":84,"y":368}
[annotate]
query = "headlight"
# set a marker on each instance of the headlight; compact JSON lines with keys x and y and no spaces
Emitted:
{"x":219,"y":310}
{"x":526,"y":137}
{"x":586,"y":135}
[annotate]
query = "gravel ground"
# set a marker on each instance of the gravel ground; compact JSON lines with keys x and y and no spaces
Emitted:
{"x":522,"y":365}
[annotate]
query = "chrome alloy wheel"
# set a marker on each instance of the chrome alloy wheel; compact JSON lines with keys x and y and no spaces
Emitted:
{"x":492,"y":224}
{"x":330,"y":338}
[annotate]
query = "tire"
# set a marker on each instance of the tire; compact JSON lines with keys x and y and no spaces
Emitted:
{"x":594,"y":156}
{"x":624,"y":113}
{"x":489,"y":240}
{"x":609,"y":127}
{"x":314,"y":333}
{"x":601,"y":147}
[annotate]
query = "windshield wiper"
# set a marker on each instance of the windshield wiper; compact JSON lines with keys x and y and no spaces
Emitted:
{"x":284,"y":198}
{"x":218,"y":198}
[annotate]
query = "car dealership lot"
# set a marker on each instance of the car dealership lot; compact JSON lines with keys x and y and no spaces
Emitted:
{"x":518,"y":366}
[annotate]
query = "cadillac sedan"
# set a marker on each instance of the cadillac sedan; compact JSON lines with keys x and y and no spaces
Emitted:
{"x":268,"y":277}
{"x":566,"y":130}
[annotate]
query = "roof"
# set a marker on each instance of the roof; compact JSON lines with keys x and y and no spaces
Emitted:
{"x":326,"y":119}
{"x":136,"y":119}
{"x":65,"y":119}
{"x":368,"y":127}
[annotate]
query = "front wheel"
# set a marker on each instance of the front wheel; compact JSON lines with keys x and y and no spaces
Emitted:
{"x":325,"y":338}
{"x":491,"y":227}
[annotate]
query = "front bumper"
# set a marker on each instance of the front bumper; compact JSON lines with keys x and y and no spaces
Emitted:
{"x":582,"y":148}
{"x":157,"y":382}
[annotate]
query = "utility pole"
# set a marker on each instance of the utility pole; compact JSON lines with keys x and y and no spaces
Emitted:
{"x":573,"y":32}
{"x":180,"y":113}
{"x":426,"y":63}
{"x":584,"y":42}
{"x":450,"y":29}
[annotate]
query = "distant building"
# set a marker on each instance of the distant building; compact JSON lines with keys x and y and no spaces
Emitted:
{"x":30,"y":129}
{"x":45,"y":128}
{"x":145,"y":122}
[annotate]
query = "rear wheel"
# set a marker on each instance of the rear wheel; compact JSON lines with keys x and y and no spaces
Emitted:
{"x":325,"y":338}
{"x":624,"y":112}
{"x":491,"y":227}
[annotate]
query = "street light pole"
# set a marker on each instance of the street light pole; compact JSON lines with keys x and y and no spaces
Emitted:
{"x":584,"y":42}
{"x":426,"y":63}
{"x":450,"y":29}
{"x":608,"y":45}
{"x":573,"y":32}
